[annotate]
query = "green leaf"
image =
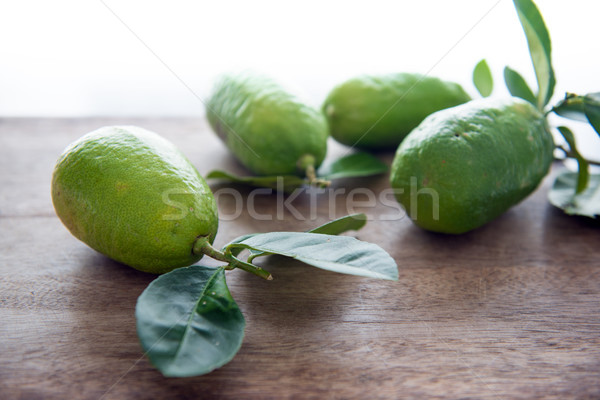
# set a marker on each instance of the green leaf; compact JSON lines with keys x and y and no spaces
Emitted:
{"x":341,"y":254}
{"x":571,"y":107}
{"x":283,"y":183}
{"x":353,"y":166}
{"x":563,"y":196}
{"x":581,"y":108}
{"x":591,"y":105}
{"x":482,"y":78}
{"x":188,"y":323}
{"x":540,"y":48}
{"x":582,"y":164}
{"x":352,"y":222}
{"x":517,"y":86}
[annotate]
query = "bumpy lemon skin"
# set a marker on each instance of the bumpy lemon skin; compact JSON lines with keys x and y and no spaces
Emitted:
{"x":376,"y":112}
{"x":267,"y":127}
{"x":464,"y":166}
{"x":131,"y":195}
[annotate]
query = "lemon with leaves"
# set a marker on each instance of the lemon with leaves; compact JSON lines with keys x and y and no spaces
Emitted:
{"x":464,"y":166}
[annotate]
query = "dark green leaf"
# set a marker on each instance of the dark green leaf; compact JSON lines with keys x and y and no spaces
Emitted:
{"x":571,"y":107}
{"x":517,"y":86}
{"x":591,"y":105}
{"x":283,"y":183}
{"x":583,"y":166}
{"x":581,"y":108}
{"x":563,"y":196}
{"x":540,"y":48}
{"x":188,"y":323}
{"x":342,"y":254}
{"x":482,"y":78}
{"x":353,"y":166}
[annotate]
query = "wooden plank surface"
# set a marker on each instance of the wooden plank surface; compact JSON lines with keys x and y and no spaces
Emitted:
{"x":508,"y":311}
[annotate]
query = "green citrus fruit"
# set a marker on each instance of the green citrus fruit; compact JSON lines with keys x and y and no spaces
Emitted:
{"x":464,"y":166}
{"x":377,"y":112}
{"x":131,"y":195}
{"x":270,"y":130}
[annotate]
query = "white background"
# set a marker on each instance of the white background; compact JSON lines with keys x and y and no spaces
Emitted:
{"x":77,"y":58}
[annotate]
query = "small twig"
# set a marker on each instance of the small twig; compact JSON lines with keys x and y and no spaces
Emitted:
{"x":570,"y":154}
{"x":312,"y":178}
{"x":306,"y":164}
{"x":203,"y":246}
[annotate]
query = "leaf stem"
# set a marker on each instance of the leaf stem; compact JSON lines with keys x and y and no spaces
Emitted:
{"x":203,"y":246}
{"x":570,"y":154}
{"x":249,"y":267}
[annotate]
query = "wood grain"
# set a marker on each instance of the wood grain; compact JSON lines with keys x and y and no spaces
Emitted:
{"x":509,"y":311}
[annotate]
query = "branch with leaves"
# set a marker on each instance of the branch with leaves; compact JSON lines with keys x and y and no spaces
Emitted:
{"x":574,"y":192}
{"x":187,"y":320}
{"x":355,"y":165}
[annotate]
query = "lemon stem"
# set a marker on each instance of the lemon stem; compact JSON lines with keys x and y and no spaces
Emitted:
{"x":203,"y":246}
{"x":306,"y":163}
{"x":313,"y":180}
{"x":311,"y":173}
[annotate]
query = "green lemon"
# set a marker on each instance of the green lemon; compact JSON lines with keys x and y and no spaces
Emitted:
{"x":270,"y":130}
{"x":131,"y":195}
{"x":464,"y":166}
{"x":377,"y":112}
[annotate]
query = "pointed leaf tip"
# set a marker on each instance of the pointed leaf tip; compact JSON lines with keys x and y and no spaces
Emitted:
{"x":538,"y":40}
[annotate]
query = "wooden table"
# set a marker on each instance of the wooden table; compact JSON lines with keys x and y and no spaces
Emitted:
{"x":508,"y":311}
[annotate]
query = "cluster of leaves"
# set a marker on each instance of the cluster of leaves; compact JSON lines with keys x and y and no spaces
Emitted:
{"x":189,"y":324}
{"x":574,"y":192}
